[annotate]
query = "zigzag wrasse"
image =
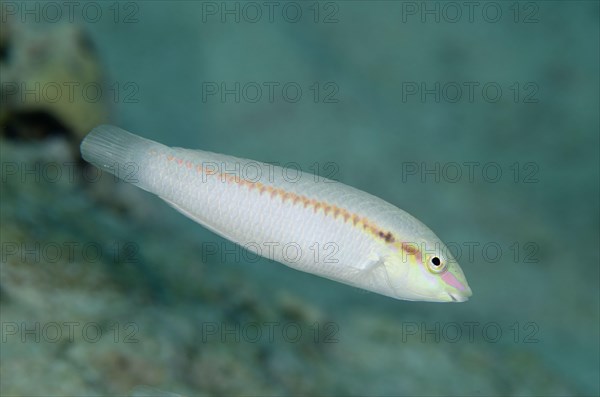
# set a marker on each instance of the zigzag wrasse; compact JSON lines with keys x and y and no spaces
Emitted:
{"x":319,"y":226}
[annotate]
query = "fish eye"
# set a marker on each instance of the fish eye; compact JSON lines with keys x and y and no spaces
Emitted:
{"x":436,"y":265}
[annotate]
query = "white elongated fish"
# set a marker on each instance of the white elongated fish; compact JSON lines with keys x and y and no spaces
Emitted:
{"x":316,"y":226}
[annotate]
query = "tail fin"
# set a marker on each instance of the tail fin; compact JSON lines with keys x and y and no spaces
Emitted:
{"x":115,"y":150}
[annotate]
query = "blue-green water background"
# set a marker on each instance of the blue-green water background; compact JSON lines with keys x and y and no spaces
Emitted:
{"x":370,"y":52}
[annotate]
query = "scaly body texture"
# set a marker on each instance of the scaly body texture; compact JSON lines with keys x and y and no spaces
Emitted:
{"x":306,"y":222}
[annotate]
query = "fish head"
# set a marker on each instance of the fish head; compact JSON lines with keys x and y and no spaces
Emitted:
{"x":426,"y":270}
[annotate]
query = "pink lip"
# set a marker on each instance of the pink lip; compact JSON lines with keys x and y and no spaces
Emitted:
{"x":452,"y":281}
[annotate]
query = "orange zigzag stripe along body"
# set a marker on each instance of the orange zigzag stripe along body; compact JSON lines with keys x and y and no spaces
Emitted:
{"x":328,"y":209}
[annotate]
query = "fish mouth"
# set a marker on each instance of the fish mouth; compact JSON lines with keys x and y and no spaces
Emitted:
{"x":457,"y":297}
{"x":460,"y":295}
